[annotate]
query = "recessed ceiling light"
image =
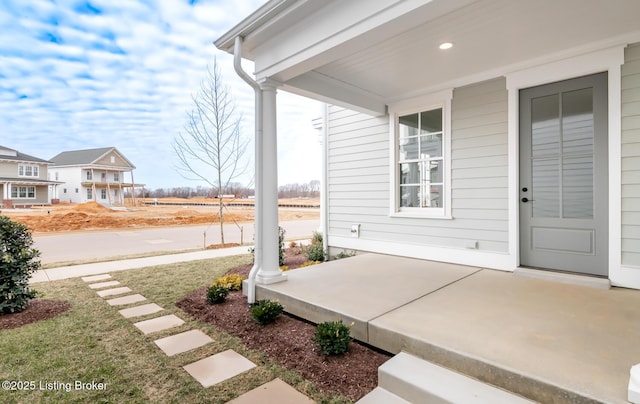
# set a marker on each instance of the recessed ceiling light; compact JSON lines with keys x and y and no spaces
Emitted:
{"x":446,"y":45}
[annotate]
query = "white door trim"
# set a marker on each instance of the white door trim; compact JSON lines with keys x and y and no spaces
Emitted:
{"x":609,"y":60}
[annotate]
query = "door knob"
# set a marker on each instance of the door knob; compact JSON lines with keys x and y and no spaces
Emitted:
{"x":525,"y":200}
{"x":525,"y":189}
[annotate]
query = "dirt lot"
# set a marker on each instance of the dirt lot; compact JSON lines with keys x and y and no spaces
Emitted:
{"x":91,"y":215}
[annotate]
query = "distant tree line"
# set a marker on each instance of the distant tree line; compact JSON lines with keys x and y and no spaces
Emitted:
{"x":309,"y":189}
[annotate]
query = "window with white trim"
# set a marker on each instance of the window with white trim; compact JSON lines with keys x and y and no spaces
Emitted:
{"x":89,"y":193}
{"x":89,"y":175}
{"x":116,"y":177}
{"x":421,"y":165}
{"x":23,"y":192}
{"x":103,"y":193}
{"x":420,"y":160}
{"x":28,"y":171}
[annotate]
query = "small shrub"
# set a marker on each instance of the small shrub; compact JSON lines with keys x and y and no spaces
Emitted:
{"x":18,"y":262}
{"x":266,"y":311}
{"x":315,"y":252}
{"x":316,"y":238}
{"x":217,"y":294}
{"x":231,"y":281}
{"x":332,"y":337}
{"x":344,"y":254}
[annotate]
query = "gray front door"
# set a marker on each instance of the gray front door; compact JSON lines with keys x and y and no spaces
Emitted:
{"x":563,"y":176}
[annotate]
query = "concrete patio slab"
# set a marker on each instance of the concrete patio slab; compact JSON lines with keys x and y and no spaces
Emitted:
{"x":121,"y":301}
{"x":159,"y":323}
{"x":114,"y":291}
{"x":390,"y":283}
{"x":101,"y":285}
{"x":273,"y":392}
{"x":95,"y":278}
{"x":183,"y":342}
{"x":537,"y":338}
{"x":219,"y":367}
{"x":142,"y":310}
{"x":544,"y":340}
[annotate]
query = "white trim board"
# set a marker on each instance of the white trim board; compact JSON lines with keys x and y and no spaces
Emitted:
{"x":471,"y":257}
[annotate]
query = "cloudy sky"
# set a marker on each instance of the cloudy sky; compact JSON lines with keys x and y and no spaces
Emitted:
{"x":86,"y":74}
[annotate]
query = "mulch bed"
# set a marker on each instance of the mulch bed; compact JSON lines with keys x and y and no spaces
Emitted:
{"x":288,"y":341}
{"x":38,"y":309}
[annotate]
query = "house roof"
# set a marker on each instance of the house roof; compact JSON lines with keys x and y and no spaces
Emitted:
{"x":365,"y":54}
{"x":85,"y":157}
{"x":15,"y":155}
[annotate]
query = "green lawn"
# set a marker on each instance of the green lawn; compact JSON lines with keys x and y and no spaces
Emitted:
{"x":93,"y":343}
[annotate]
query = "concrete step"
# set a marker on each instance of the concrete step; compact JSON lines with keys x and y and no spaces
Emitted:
{"x":419,"y":381}
{"x":381,"y":396}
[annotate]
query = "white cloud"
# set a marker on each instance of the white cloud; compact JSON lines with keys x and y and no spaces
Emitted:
{"x":122,"y":73}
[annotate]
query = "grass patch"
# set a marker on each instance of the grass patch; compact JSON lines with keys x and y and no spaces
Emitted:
{"x":93,"y":343}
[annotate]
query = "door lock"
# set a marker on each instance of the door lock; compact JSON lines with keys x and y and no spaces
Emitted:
{"x":525,"y":189}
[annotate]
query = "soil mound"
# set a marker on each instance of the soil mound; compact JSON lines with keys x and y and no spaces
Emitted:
{"x":91,"y":207}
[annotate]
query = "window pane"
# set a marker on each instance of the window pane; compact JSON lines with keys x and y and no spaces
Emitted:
{"x":27,"y":171}
{"x":409,"y":196}
{"x":577,"y":187}
{"x":410,"y":173}
{"x":408,"y":125}
{"x":35,"y":171}
{"x":430,"y":146}
{"x":434,"y":170}
{"x":577,"y":122}
{"x":432,"y":196}
{"x":546,"y":185}
{"x":431,"y":121}
{"x":409,"y":148}
{"x":545,"y":126}
{"x":20,"y":170}
{"x":31,"y":192}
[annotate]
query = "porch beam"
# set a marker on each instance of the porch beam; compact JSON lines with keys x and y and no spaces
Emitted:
{"x":269,"y":269}
{"x":327,"y":89}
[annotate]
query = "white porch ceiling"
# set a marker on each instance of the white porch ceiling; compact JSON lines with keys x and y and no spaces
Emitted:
{"x":366,"y":54}
{"x":487,"y":35}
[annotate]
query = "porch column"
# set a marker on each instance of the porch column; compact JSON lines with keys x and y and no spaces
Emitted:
{"x":269,"y":271}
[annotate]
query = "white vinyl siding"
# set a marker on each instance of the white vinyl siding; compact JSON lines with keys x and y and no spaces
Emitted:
{"x":359,"y":176}
{"x":631,"y":157}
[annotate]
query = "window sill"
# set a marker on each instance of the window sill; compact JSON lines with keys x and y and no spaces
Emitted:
{"x":418,"y":215}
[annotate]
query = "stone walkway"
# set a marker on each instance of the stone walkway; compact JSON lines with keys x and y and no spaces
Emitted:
{"x":207,"y":371}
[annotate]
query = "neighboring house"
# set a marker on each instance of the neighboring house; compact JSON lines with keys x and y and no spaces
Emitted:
{"x":496,"y":133}
{"x":93,"y":175}
{"x":23,"y":180}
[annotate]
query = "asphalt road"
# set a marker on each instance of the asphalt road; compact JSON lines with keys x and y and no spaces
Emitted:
{"x":100,"y":244}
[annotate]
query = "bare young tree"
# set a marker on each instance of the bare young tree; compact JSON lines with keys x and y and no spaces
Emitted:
{"x":211,"y":148}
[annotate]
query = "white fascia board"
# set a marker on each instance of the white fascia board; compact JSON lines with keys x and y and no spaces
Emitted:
{"x":339,"y":29}
{"x":326,"y":89}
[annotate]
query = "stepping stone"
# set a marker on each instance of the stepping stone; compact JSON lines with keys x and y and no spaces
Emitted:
{"x":183,"y":342}
{"x":101,"y":285}
{"x":140,"y":310}
{"x":159,"y":323}
{"x":219,"y":367}
{"x":95,"y":278}
{"x":274,"y":392}
{"x":114,"y":291}
{"x":119,"y":301}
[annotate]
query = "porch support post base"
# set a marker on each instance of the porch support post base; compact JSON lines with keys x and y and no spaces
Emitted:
{"x":269,"y":277}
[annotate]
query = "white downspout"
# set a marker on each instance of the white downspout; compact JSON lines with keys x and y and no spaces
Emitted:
{"x":257,"y":256}
{"x":324,"y":204}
